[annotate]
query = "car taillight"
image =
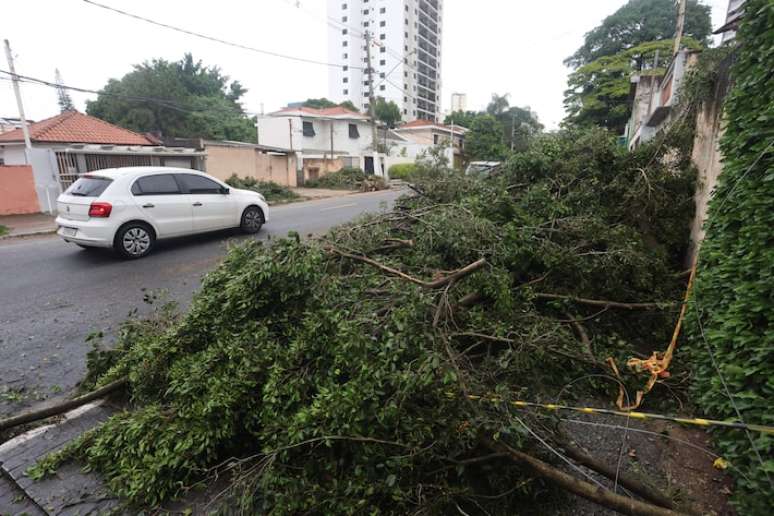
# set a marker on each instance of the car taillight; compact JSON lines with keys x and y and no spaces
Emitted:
{"x":100,"y":209}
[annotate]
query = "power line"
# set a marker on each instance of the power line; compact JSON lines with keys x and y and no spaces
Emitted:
{"x":138,"y":98}
{"x":215,"y":39}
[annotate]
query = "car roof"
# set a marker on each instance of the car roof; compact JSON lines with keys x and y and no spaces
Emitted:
{"x":131,"y":172}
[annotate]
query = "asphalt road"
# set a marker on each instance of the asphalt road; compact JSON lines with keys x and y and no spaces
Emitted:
{"x":54,"y":294}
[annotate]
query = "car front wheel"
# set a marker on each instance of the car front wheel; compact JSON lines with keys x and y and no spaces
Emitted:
{"x":252,"y":220}
{"x":134,"y":240}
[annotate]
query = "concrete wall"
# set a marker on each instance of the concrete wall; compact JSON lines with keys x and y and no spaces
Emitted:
{"x":706,"y":154}
{"x":315,"y":168}
{"x":225,"y":160}
{"x":17,"y":190}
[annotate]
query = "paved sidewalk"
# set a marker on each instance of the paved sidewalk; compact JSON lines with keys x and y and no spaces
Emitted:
{"x":31,"y":224}
{"x":321,"y":193}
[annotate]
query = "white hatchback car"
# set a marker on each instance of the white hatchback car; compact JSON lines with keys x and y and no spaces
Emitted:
{"x":130,"y":208}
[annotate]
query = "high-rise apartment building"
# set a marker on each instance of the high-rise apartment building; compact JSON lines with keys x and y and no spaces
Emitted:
{"x":405,"y":55}
{"x":459,"y":102}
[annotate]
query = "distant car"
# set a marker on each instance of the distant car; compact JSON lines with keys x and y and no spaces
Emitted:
{"x":482,"y":168}
{"x":130,"y":208}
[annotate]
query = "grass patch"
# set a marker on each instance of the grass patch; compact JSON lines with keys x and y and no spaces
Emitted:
{"x":4,"y":230}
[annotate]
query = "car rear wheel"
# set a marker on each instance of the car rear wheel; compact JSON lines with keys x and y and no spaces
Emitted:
{"x":252,"y":220}
{"x":134,"y":240}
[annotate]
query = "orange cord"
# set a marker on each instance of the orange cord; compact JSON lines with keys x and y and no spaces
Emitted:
{"x":658,"y":363}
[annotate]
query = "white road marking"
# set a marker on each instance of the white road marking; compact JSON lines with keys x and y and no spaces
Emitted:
{"x":340,"y":206}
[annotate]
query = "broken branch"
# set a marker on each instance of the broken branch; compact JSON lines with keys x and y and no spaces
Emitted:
{"x":440,"y":282}
{"x":581,"y":488}
{"x":61,"y":408}
{"x":603,"y":302}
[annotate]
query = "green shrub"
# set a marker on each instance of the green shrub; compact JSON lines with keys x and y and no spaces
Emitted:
{"x":273,"y":192}
{"x":403,"y":171}
{"x":3,"y":230}
{"x":730,"y":322}
{"x":348,"y":178}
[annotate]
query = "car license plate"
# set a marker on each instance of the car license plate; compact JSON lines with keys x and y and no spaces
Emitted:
{"x":69,"y":231}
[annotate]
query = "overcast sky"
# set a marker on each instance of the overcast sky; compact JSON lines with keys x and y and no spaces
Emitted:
{"x":503,"y":46}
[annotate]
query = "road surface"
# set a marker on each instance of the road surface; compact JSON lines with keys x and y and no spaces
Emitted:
{"x":53,"y":294}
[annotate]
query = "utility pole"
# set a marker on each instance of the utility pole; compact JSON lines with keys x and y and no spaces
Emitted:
{"x":17,"y":92}
{"x":513,"y":130}
{"x":371,"y":100}
{"x":680,"y":25}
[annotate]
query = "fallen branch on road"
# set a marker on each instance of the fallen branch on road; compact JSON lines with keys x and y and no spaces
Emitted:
{"x":61,"y":408}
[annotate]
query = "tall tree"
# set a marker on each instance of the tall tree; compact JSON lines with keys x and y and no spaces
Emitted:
{"x":184,"y":98}
{"x":461,"y":118}
{"x":63,"y":97}
{"x":498,"y":104}
{"x":484,"y":140}
{"x":387,"y":112}
{"x":598,"y":92}
{"x":640,"y":21}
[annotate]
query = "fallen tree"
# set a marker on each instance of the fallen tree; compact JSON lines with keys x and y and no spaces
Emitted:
{"x":330,"y":376}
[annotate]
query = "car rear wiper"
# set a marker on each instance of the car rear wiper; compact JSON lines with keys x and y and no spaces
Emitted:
{"x":78,"y":194}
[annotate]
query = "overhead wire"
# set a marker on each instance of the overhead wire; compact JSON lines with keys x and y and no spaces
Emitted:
{"x":216,"y":39}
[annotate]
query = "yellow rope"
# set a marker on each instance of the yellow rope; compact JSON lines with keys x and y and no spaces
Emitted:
{"x":629,"y":414}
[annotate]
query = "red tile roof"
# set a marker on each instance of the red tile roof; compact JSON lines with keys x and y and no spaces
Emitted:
{"x":75,"y":127}
{"x":417,"y":123}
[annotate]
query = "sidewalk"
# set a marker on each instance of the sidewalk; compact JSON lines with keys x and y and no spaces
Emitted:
{"x":25,"y":225}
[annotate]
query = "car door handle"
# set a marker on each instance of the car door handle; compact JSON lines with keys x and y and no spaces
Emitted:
{"x":149,"y":205}
{"x":197,"y":204}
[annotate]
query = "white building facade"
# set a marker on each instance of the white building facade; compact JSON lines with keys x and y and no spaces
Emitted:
{"x":405,"y":54}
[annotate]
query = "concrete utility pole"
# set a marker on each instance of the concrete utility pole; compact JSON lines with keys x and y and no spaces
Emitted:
{"x":17,"y":92}
{"x":371,"y":100}
{"x":513,"y":130}
{"x":680,"y":25}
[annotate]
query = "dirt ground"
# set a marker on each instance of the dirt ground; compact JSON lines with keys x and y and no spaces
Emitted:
{"x":675,"y":459}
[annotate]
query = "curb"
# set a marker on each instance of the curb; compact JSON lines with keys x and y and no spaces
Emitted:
{"x":30,"y":234}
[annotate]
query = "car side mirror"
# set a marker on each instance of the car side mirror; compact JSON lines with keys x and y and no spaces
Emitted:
{"x":225,"y":191}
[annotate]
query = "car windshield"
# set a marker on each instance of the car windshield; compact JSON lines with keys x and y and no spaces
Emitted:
{"x":89,"y":186}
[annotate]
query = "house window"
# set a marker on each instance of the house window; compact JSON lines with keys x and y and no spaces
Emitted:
{"x":344,"y":43}
{"x":383,"y":36}
{"x":382,"y":49}
{"x":365,"y":11}
{"x":345,"y":55}
{"x":344,"y":6}
{"x":344,"y":31}
{"x":365,"y":24}
{"x":435,"y":139}
{"x":345,"y":68}
{"x":344,"y":19}
{"x":382,"y":23}
{"x":345,"y":92}
{"x":345,"y":79}
{"x":383,"y":10}
{"x":353,"y":132}
{"x":382,"y":87}
{"x":308,"y":129}
{"x":381,"y":75}
{"x":382,"y":62}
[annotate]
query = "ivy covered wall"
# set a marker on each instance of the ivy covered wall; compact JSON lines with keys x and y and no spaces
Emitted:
{"x":731,"y":313}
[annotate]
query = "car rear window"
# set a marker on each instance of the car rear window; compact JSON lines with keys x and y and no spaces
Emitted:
{"x":160,"y":184}
{"x":89,"y":186}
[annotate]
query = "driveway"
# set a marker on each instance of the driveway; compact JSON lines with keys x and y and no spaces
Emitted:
{"x":53,"y":294}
